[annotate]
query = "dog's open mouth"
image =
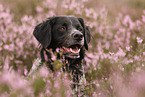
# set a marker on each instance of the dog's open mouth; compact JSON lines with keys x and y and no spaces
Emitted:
{"x":71,"y":51}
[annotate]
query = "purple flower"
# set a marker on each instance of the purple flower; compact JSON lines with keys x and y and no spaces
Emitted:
{"x":139,"y":40}
{"x":143,"y":18}
{"x":144,"y":53}
{"x":128,"y":48}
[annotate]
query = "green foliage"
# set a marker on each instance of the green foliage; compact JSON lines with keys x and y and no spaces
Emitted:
{"x":39,"y":86}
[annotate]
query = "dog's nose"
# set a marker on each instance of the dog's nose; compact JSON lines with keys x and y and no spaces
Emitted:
{"x":78,"y":36}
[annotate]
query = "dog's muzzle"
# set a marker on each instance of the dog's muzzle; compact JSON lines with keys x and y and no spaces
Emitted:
{"x":71,"y":52}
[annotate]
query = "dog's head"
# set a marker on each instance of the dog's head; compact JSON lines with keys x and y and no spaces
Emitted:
{"x":67,"y":33}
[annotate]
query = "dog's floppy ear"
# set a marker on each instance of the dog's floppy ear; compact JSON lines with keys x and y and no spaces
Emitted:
{"x":87,"y":33}
{"x":42,"y":33}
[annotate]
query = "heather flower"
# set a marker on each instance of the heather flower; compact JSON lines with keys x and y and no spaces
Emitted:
{"x":143,"y":11}
{"x":111,"y":53}
{"x":15,"y":82}
{"x":6,"y":47}
{"x":122,"y":69}
{"x":139,"y":40}
{"x":137,"y":58}
{"x":84,"y":0}
{"x":97,"y":85}
{"x":144,"y":53}
{"x":128,"y":48}
{"x":131,"y":61}
{"x":128,"y":22}
{"x":39,"y":9}
{"x":44,"y":71}
{"x":143,"y":18}
{"x":138,"y":22}
{"x":18,"y":62}
{"x":25,"y":71}
{"x":52,"y":4}
{"x":120,"y":53}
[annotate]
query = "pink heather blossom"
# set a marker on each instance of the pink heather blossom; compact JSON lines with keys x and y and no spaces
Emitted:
{"x":1,"y":7}
{"x":143,"y":18}
{"x":15,"y":82}
{"x":138,"y":22}
{"x":18,"y":61}
{"x":143,"y":11}
{"x":127,"y":21}
{"x":5,"y":94}
{"x":90,"y":55}
{"x":122,"y":69}
{"x":25,"y":18}
{"x":25,"y":71}
{"x":137,"y":58}
{"x":120,"y":53}
{"x":88,"y":12}
{"x":106,"y":78}
{"x":84,"y":0}
{"x":12,"y":57}
{"x":128,"y":48}
{"x":131,"y":61}
{"x":6,"y":65}
{"x":88,"y":61}
{"x":97,"y":85}
{"x":128,"y":38}
{"x":51,"y":13}
{"x":39,"y":9}
{"x":111,"y":53}
{"x":44,"y":72}
{"x":6,"y":47}
{"x":0,"y":48}
{"x":1,"y":43}
{"x":144,"y":53}
{"x":139,"y":40}
{"x":52,"y":4}
{"x":70,"y":4}
{"x":132,"y":25}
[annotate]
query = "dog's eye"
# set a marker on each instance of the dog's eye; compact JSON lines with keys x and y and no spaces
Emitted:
{"x":80,"y":29}
{"x":62,"y":28}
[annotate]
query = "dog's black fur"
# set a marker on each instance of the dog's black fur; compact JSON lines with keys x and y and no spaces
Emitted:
{"x":68,"y":33}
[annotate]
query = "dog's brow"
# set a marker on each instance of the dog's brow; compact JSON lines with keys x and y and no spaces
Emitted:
{"x":63,"y":22}
{"x":76,"y":25}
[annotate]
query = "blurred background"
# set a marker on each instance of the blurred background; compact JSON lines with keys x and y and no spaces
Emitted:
{"x":131,"y":7}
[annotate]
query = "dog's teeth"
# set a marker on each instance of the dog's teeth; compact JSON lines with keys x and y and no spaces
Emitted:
{"x":71,"y":50}
{"x":63,"y":47}
{"x":78,"y":50}
{"x":74,"y":51}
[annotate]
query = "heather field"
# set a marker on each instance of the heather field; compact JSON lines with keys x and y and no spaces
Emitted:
{"x":114,"y":65}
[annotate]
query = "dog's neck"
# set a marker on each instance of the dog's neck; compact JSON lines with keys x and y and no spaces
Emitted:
{"x":73,"y":66}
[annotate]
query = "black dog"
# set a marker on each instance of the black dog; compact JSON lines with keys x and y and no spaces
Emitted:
{"x":67,"y":34}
